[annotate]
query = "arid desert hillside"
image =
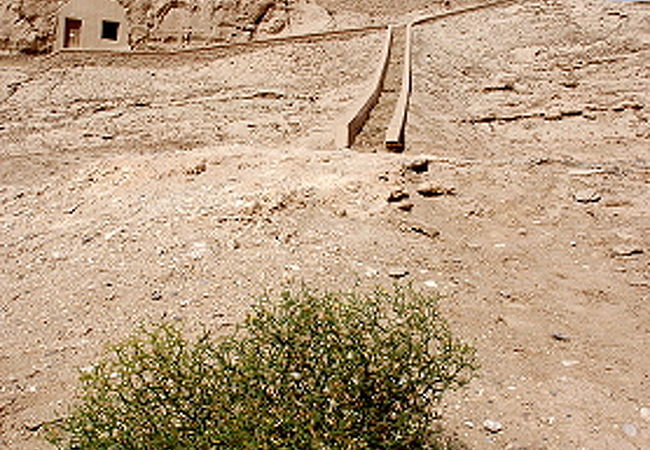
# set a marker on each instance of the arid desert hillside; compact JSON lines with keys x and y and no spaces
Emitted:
{"x":175,"y":186}
{"x":28,"y":26}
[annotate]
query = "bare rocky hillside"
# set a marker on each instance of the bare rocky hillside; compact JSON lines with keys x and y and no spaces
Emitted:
{"x":150,"y":187}
{"x":28,"y":26}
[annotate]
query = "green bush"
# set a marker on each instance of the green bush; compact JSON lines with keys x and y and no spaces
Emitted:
{"x":308,"y":370}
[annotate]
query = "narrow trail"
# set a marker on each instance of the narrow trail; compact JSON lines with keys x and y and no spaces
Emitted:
{"x":371,"y":137}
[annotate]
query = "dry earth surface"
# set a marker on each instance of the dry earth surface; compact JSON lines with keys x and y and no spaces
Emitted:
{"x":176,"y":187}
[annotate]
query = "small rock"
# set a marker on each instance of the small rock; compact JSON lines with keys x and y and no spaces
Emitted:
{"x":87,"y":369}
{"x":587,"y":196}
{"x":274,"y":95}
{"x":499,"y":86}
{"x":431,"y":284}
{"x":156,"y":296}
{"x":372,"y":272}
{"x":419,"y":165}
{"x":406,"y":206}
{"x":420,"y":228}
{"x":585,"y":172}
{"x":71,"y":210}
{"x":469,"y":424}
{"x":398,"y":272}
{"x":626,"y":250}
{"x":505,"y":293}
{"x":197,"y":169}
{"x":108,"y":236}
{"x":492,"y":426}
{"x":398,"y":195}
{"x":33,"y":425}
{"x":199,"y":250}
{"x":561,"y":337}
{"x":645,"y":413}
{"x":433,"y":190}
{"x":629,"y":429}
{"x":570,"y":362}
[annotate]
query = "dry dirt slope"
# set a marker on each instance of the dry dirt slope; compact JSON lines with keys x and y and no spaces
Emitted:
{"x":176,"y":203}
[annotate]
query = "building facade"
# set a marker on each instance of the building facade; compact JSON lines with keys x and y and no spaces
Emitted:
{"x":92,"y":25}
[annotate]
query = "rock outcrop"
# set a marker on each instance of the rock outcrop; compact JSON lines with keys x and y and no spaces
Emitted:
{"x":28,"y":26}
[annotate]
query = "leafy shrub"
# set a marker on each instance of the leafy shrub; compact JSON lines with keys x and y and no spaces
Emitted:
{"x":308,"y":370}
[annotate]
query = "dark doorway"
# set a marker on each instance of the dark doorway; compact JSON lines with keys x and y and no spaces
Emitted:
{"x":109,"y":30}
{"x":72,"y":37}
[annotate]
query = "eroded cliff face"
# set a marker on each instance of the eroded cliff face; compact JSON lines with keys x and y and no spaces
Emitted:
{"x":28,"y":26}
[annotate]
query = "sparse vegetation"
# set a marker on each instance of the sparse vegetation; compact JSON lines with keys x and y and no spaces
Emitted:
{"x":305,"y":370}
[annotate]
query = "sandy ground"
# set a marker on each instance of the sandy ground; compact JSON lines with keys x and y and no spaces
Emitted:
{"x":192,"y":184}
{"x":274,"y":94}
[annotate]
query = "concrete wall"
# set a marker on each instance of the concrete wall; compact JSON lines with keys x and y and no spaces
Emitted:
{"x":395,"y":132}
{"x":395,"y":139}
{"x":347,"y":129}
{"x":92,"y":13}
